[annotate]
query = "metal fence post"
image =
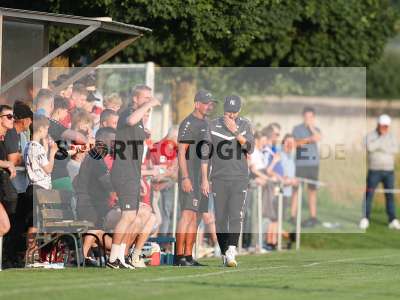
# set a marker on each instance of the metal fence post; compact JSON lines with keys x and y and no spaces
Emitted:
{"x":259,"y":210}
{"x":298,"y":221}
{"x":280,"y":217}
{"x":175,"y":212}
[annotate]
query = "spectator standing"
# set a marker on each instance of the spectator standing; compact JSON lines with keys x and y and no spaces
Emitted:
{"x":7,"y":170}
{"x":382,"y":146}
{"x":307,"y":136}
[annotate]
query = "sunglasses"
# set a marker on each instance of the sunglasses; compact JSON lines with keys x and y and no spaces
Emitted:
{"x":8,"y":116}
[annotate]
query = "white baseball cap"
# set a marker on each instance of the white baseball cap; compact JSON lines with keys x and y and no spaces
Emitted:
{"x":384,"y":120}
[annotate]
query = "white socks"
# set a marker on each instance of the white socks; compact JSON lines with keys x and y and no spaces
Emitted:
{"x":121,"y":255}
{"x":115,"y":250}
{"x":118,"y":251}
{"x":136,"y":254}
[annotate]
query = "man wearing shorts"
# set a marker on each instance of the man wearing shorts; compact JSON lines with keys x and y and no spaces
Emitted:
{"x":232,"y":141}
{"x":126,"y":171}
{"x":192,"y":132}
{"x":307,"y":136}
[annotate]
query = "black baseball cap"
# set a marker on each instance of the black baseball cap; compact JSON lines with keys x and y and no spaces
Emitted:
{"x":232,"y":103}
{"x":204,"y":96}
{"x":22,"y":110}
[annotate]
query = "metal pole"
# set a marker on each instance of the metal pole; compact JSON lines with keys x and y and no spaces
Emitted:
{"x":98,"y":61}
{"x":259,"y":209}
{"x":298,"y":221}
{"x":175,"y":212}
{"x":280,"y":217}
{"x":240,"y":246}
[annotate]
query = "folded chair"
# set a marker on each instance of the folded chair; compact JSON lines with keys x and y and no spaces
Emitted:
{"x":55,"y":221}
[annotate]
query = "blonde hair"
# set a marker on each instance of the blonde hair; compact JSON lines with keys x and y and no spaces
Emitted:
{"x":81,"y":116}
{"x":113,"y":98}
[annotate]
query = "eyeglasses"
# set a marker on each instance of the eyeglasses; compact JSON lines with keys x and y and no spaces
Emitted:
{"x":8,"y":116}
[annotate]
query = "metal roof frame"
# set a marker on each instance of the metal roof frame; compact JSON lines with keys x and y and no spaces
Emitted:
{"x":88,"y":25}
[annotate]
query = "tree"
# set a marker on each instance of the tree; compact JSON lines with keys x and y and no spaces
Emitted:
{"x":241,"y":33}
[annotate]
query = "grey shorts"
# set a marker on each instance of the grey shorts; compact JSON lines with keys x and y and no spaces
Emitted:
{"x":308,"y":172}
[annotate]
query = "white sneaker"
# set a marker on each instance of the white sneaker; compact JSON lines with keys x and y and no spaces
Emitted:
{"x":138,"y":262}
{"x":395,"y":224}
{"x":230,"y":257}
{"x":364,"y":223}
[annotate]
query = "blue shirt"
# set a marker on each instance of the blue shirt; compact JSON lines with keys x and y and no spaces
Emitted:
{"x":308,"y":154}
{"x":289,"y":170}
{"x":269,"y":152}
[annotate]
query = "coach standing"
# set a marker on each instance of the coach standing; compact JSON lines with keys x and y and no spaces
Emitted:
{"x":126,"y":171}
{"x":192,"y":132}
{"x":232,"y":141}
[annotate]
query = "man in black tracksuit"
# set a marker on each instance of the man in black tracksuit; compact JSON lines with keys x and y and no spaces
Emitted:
{"x":192,"y":132}
{"x":232,"y":140}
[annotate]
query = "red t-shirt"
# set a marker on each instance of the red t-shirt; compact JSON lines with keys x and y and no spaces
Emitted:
{"x":163,"y":152}
{"x":68,"y":119}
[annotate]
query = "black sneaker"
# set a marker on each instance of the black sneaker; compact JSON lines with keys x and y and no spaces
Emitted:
{"x":90,"y":262}
{"x":181,"y":262}
{"x":270,"y":247}
{"x":128,"y":263}
{"x":115,"y":264}
{"x":194,"y":263}
{"x":311,"y":222}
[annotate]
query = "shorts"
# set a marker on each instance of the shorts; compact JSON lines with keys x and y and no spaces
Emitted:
{"x":128,"y":192}
{"x":8,"y":194}
{"x":112,"y":218}
{"x":308,"y":172}
{"x":269,"y":203}
{"x":194,"y":201}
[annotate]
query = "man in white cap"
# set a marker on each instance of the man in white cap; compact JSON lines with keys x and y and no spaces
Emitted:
{"x":381,"y":147}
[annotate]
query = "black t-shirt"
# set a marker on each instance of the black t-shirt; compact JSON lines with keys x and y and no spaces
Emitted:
{"x":229,"y":158}
{"x":12,"y":141}
{"x":129,"y":148}
{"x":9,"y":144}
{"x":193,"y":131}
{"x":93,"y":184}
{"x":56,"y":131}
{"x":3,"y":151}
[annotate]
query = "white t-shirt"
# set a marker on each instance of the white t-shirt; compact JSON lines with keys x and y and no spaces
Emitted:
{"x":257,"y":159}
{"x":35,"y":158}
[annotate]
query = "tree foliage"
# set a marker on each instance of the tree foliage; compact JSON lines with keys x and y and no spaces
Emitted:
{"x":240,"y":33}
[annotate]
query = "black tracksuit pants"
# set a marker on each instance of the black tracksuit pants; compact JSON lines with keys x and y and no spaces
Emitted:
{"x":229,"y":201}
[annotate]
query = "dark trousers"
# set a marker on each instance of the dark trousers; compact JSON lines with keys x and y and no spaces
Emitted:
{"x":229,"y":200}
{"x":373,"y":179}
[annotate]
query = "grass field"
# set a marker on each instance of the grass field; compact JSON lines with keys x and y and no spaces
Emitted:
{"x":329,"y":266}
{"x":312,"y":274}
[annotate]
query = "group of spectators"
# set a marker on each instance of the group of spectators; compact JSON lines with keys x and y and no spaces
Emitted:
{"x":65,"y":142}
{"x":282,"y":163}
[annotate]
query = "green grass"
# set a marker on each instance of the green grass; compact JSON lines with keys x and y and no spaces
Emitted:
{"x":316,"y":274}
{"x":329,"y":266}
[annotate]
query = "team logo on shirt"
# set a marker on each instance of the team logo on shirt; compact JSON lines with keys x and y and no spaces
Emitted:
{"x":232,"y":102}
{"x":195,"y":202}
